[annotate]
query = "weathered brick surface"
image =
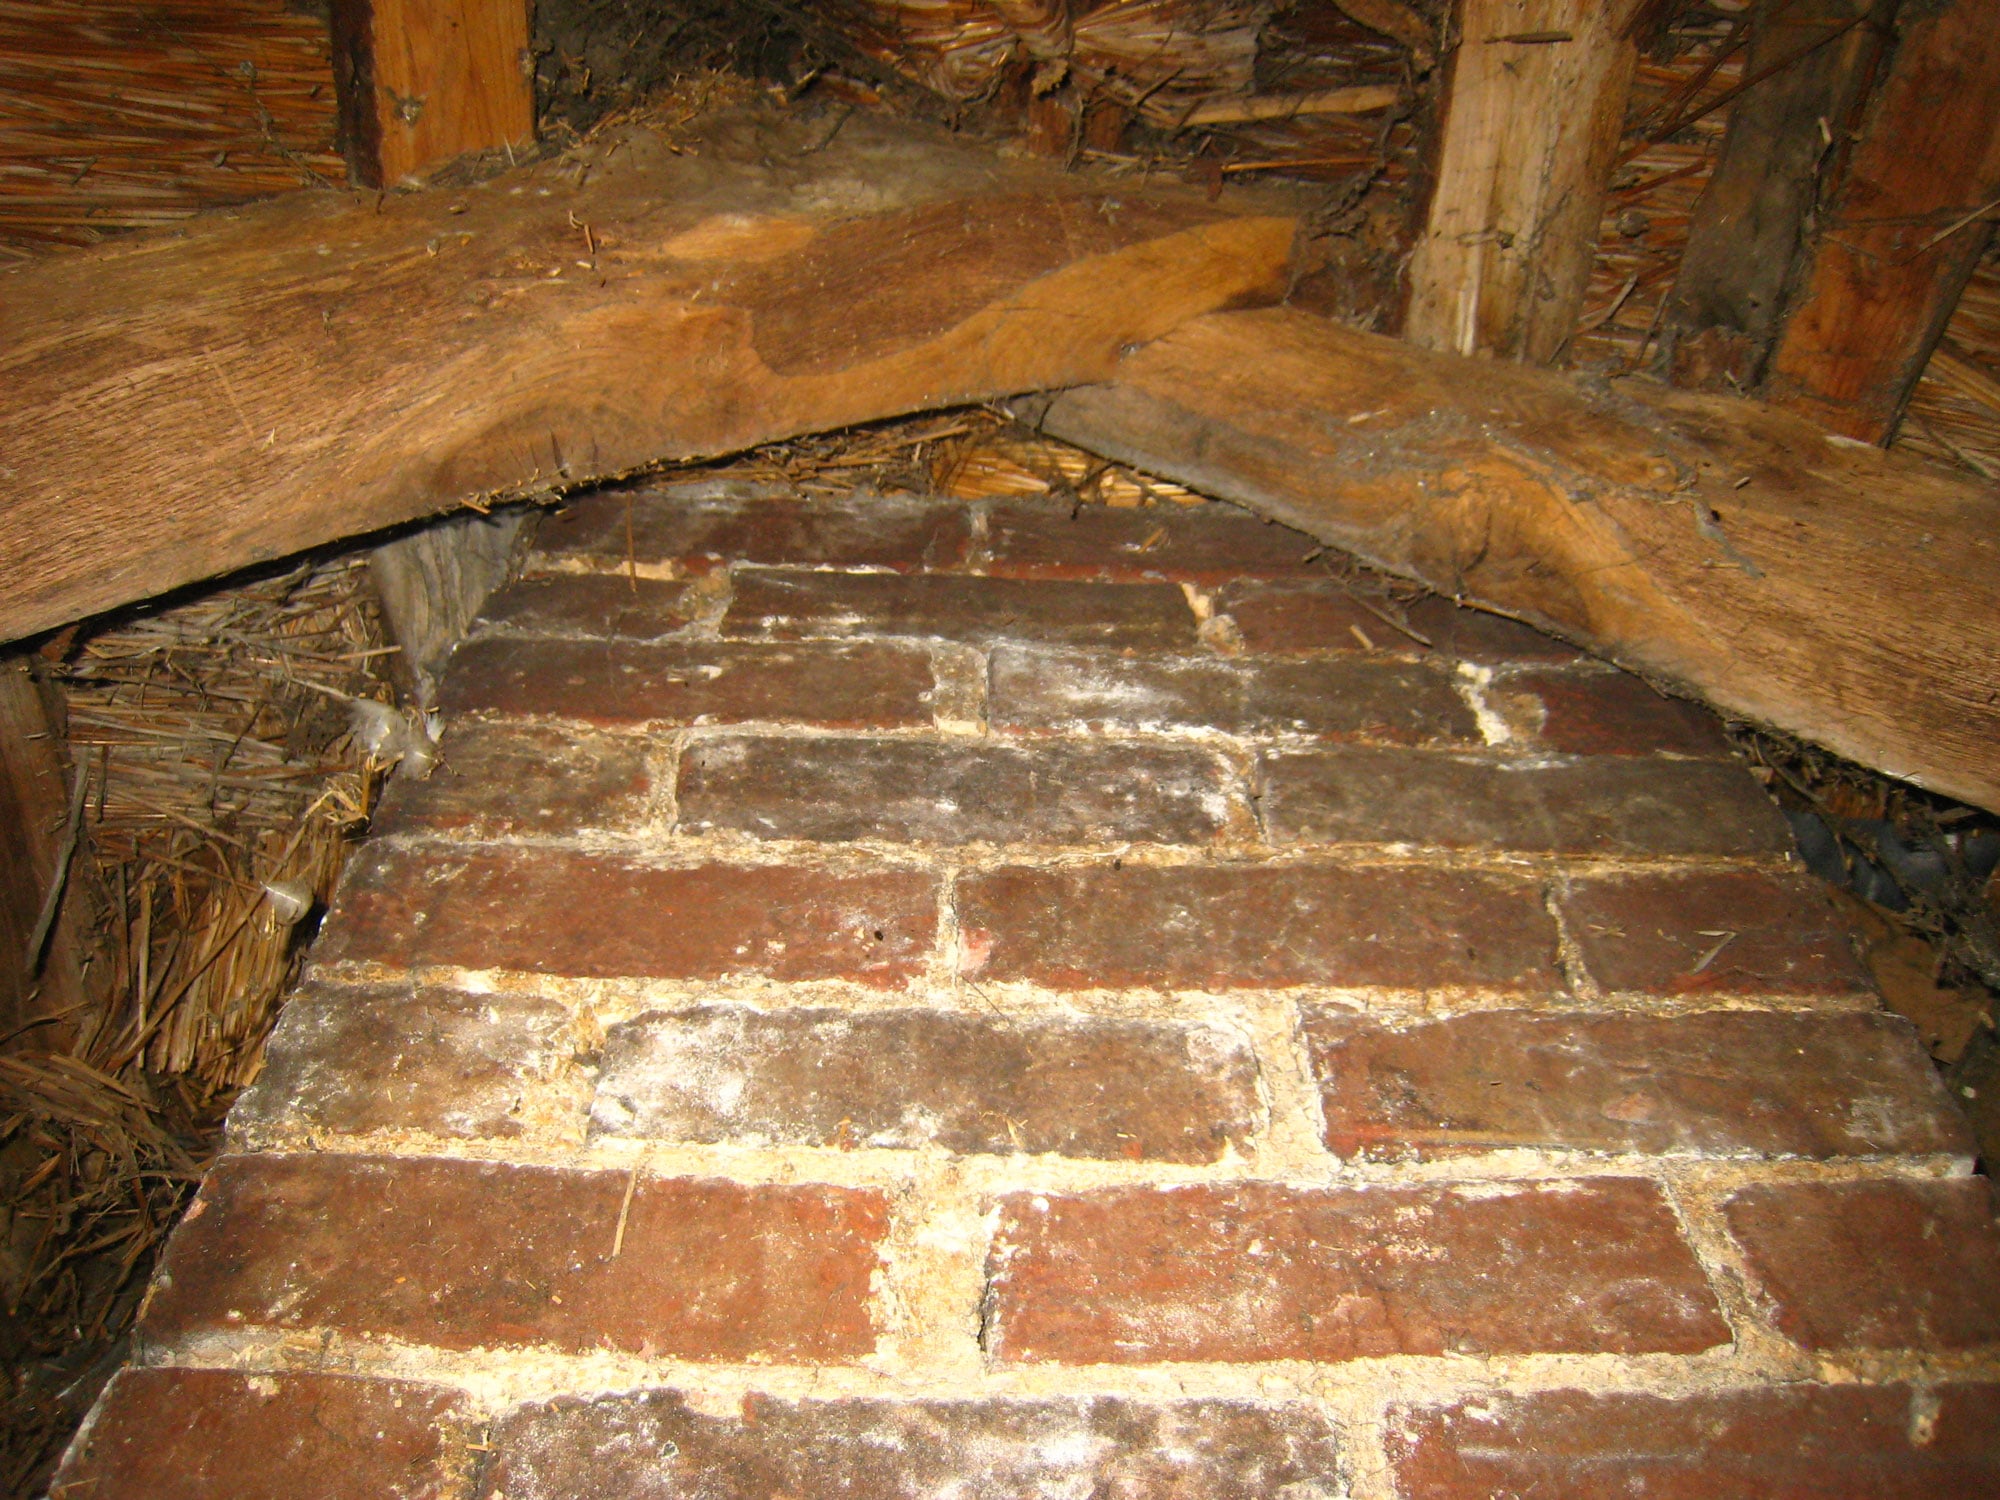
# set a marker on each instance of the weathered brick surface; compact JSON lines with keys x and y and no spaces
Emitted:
{"x":1712,"y":932}
{"x":801,"y":669}
{"x":1885,"y":1264}
{"x":1278,"y":616}
{"x":829,"y":684}
{"x":1794,"y":1442}
{"x":1606,"y":713}
{"x":389,"y":1057}
{"x":497,"y":778}
{"x":1608,"y":805}
{"x":1391,"y":702}
{"x":752,"y":523}
{"x":654,"y":1444}
{"x":957,"y":791}
{"x":552,"y":911}
{"x":1712,"y":1083}
{"x":957,"y":607}
{"x":1257,"y":1272}
{"x":908,"y":1078}
{"x":1048,"y":539}
{"x":468,"y":1254}
{"x":201,"y":1434}
{"x":1242,"y":926}
{"x":595,"y":606}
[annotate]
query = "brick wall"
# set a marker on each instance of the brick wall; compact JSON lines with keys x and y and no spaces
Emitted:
{"x":908,"y":999}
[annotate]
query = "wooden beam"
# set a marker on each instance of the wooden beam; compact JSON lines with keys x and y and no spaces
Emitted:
{"x":1909,"y":226}
{"x":1812,"y":62}
{"x":1535,"y":103}
{"x":422,"y":81}
{"x":1841,"y":593}
{"x":172,"y":407}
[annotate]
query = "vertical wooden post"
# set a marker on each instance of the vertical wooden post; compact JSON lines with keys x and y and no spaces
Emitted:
{"x":422,"y":81}
{"x":1535,"y":105}
{"x":1908,"y":226}
{"x":1812,"y":62}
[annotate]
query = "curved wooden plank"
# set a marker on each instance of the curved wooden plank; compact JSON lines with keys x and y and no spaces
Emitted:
{"x":1828,"y":588}
{"x":178,"y":405}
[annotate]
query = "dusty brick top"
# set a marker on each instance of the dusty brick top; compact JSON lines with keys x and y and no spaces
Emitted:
{"x":909,"y":998}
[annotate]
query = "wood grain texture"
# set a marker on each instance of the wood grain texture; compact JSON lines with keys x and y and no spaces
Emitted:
{"x":422,"y":81}
{"x":1832,"y":590}
{"x":1886,"y":273}
{"x":178,"y":405}
{"x":1753,"y":222}
{"x":1530,"y":128}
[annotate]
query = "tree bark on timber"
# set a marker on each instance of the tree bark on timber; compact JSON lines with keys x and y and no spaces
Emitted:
{"x":1841,"y":593}
{"x":175,"y":406}
{"x":1754,"y":221}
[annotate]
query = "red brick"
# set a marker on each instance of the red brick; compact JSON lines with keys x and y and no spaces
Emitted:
{"x":472,"y":1254}
{"x":911,"y":1078}
{"x":830,"y":684}
{"x":1245,"y":1272}
{"x":1333,"y":698}
{"x":734,"y":522}
{"x":1194,"y":543}
{"x":389,"y":1057}
{"x":957,"y":607}
{"x":1319,"y":615}
{"x":552,"y":911}
{"x":1605,"y":713}
{"x":1887,"y":1264}
{"x":651,"y":1444}
{"x":1795,"y":1442}
{"x":1712,"y":933}
{"x":956,"y":792}
{"x":1715,"y":1083}
{"x":1314,"y":614}
{"x":1226,"y":927}
{"x":1611,"y":805}
{"x":172,"y":1434}
{"x":595,"y":606}
{"x":497,"y":778}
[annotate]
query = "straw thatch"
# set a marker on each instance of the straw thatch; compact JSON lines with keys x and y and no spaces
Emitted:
{"x":1674,"y":126}
{"x":981,"y":453}
{"x":222,"y":774}
{"x":118,"y":116}
{"x":1954,"y":415}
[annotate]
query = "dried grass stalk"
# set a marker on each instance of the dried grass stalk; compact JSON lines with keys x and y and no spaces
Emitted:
{"x":1954,"y":414}
{"x":117,"y":116}
{"x":1160,"y":57}
{"x":222,"y":781}
{"x":978,"y":454}
{"x":1644,"y":231}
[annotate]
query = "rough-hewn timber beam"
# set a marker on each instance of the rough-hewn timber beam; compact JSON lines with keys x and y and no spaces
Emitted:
{"x":1535,"y":101}
{"x":178,"y":405}
{"x":1911,"y":220}
{"x":1845,"y":594}
{"x":1809,"y":65}
{"x":422,"y":81}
